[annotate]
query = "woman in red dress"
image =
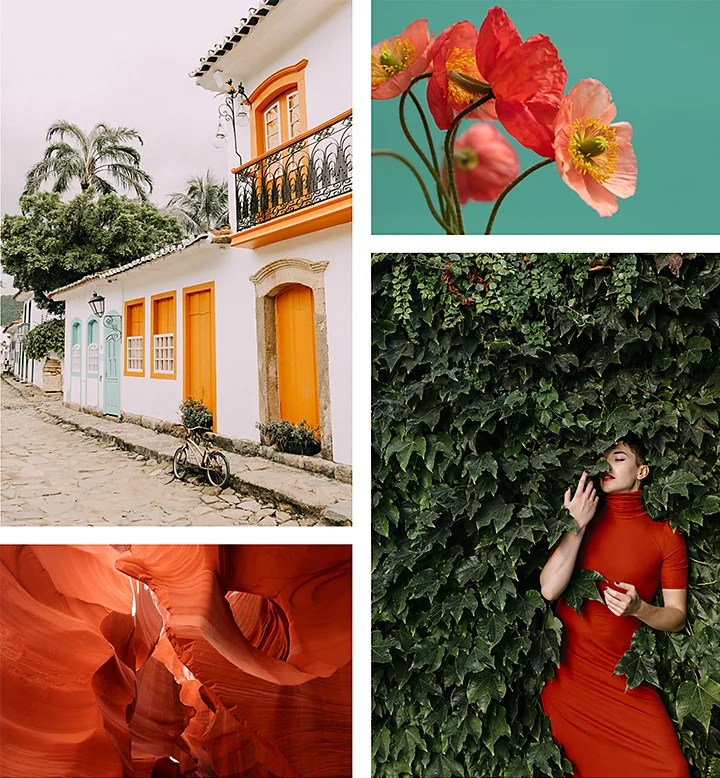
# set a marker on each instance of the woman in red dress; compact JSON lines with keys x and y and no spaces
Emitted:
{"x":605,"y":731}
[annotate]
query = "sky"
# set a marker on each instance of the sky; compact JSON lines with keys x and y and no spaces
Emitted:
{"x":124,"y":64}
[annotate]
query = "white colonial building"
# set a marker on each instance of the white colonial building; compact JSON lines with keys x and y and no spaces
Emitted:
{"x":44,"y":373}
{"x":255,"y":323}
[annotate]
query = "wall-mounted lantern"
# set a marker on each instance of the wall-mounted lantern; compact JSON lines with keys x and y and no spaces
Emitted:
{"x":97,"y":304}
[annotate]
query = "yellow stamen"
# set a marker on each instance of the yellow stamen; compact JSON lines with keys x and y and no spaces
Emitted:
{"x":393,"y":57}
{"x":466,"y":159}
{"x":461,"y":61}
{"x":593,"y":148}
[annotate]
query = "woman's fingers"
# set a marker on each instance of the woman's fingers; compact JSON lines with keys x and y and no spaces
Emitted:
{"x":581,"y":484}
{"x":568,"y":494}
{"x":620,"y":599}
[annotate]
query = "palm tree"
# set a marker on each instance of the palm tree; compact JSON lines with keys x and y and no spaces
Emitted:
{"x":202,"y":206}
{"x":106,"y":151}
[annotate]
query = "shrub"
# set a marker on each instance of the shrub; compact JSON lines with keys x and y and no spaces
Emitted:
{"x":291,"y":438}
{"x":496,"y":380}
{"x":45,"y":338}
{"x":194,"y":414}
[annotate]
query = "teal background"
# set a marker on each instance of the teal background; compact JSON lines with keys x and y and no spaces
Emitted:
{"x":660,"y":59}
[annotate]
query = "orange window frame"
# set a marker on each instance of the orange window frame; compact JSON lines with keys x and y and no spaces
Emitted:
{"x":172,"y":296}
{"x":140,"y":303}
{"x":276,"y":88}
{"x":186,"y":292}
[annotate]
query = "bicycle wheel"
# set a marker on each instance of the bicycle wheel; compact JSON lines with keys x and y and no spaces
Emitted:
{"x":180,"y":463}
{"x":218,"y":469}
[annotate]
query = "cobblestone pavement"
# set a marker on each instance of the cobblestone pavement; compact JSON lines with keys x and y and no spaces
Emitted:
{"x":55,"y":475}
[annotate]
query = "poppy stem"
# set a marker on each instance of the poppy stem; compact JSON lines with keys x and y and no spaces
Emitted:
{"x":509,"y":189}
{"x":443,"y":197}
{"x":428,"y":199}
{"x":449,"y":158}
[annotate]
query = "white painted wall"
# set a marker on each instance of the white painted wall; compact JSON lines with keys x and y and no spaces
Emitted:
{"x":318,"y":31}
{"x":31,"y":370}
{"x":237,"y":391}
{"x":332,"y":245}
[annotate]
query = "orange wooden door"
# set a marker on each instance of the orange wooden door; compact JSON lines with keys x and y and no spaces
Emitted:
{"x":200,"y":347}
{"x":297,"y":362}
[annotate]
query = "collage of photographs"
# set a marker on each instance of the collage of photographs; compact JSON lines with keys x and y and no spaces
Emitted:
{"x":403,"y":469}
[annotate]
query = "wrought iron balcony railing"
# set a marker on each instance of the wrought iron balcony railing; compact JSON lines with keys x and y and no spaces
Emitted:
{"x":310,"y":169}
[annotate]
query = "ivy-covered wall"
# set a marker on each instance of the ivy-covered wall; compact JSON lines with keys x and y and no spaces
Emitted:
{"x":496,"y":380}
{"x":46,"y":338}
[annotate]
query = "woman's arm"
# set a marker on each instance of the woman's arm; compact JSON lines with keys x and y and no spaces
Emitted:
{"x":558,"y":570}
{"x":670,"y":618}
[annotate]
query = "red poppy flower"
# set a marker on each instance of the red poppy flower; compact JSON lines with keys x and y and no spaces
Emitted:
{"x":396,"y":61}
{"x":485,"y":163}
{"x":455,"y":77}
{"x":527,"y":80}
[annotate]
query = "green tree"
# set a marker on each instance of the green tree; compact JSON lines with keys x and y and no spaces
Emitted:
{"x":105,"y":153}
{"x":202,"y":206}
{"x":53,"y":243}
{"x":10,"y":309}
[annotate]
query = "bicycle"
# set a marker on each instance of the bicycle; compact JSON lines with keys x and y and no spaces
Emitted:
{"x":208,"y":458}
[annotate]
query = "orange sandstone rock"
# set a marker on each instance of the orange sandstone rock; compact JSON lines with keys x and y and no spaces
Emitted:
{"x":175,"y":661}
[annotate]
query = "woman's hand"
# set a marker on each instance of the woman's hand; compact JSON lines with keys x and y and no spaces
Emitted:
{"x":583,"y":504}
{"x":625,"y":603}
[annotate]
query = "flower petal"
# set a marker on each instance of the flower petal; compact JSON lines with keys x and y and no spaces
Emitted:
{"x":438,"y":104}
{"x":497,"y":163}
{"x":603,"y":201}
{"x":497,"y":36}
{"x":531,"y":130}
{"x":623,"y":181}
{"x":597,"y":197}
{"x":417,"y":34}
{"x":588,"y":97}
{"x":530,"y":71}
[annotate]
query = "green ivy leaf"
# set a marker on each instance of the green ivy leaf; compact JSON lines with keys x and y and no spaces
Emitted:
{"x":470,"y":569}
{"x":497,"y":726}
{"x":582,"y":586}
{"x":442,"y":766}
{"x":638,"y":663}
{"x":526,"y":606}
{"x":697,"y":699}
{"x":381,"y":745}
{"x":485,"y":687}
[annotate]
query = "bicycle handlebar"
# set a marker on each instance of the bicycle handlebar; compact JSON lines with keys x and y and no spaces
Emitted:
{"x":194,"y":429}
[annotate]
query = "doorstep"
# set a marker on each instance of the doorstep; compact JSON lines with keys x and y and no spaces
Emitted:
{"x":312,"y":495}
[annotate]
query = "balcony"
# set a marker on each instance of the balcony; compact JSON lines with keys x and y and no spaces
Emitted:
{"x":299,"y":187}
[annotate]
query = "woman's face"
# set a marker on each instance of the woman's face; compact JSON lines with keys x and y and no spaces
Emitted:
{"x":624,"y":472}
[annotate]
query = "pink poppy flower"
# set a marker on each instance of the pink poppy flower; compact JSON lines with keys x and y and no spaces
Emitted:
{"x":396,"y":61}
{"x":527,"y":79}
{"x":485,"y":163}
{"x":593,"y":156}
{"x":456,"y":81}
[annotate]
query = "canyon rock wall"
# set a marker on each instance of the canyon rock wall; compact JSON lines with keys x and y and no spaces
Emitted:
{"x":175,"y":661}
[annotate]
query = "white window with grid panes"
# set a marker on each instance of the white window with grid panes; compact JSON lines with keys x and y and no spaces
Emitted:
{"x":273,"y":135}
{"x":76,"y":363}
{"x":93,"y":358}
{"x":164,"y":353}
{"x":134,"y":353}
{"x":293,"y":108}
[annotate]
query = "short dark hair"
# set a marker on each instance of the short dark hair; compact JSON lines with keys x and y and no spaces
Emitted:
{"x":636,"y":445}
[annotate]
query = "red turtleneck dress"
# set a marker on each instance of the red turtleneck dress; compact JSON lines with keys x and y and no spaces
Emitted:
{"x":605,"y":731}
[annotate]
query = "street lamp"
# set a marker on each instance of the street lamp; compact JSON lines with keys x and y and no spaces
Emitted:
{"x":233,"y":109}
{"x":97,"y":304}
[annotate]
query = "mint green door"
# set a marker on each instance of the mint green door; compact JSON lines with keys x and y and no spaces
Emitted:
{"x":112,"y":364}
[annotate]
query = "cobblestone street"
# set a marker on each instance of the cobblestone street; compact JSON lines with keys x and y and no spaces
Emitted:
{"x":54,"y":475}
